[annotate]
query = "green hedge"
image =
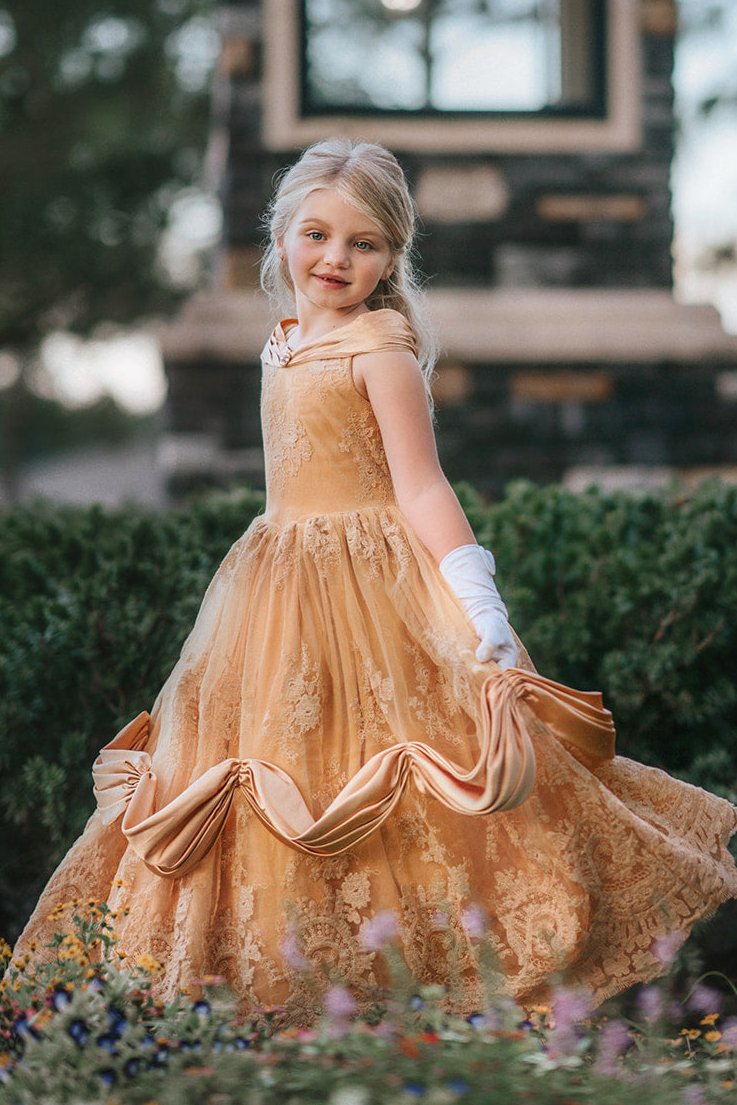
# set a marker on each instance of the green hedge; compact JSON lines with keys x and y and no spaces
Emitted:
{"x":634,"y":595}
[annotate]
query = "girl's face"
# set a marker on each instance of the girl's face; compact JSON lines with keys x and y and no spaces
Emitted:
{"x":336,"y":256}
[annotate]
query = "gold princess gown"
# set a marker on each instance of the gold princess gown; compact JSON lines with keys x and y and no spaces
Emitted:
{"x":328,"y":747}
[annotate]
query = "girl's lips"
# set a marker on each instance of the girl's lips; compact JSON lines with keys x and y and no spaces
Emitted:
{"x":331,"y":281}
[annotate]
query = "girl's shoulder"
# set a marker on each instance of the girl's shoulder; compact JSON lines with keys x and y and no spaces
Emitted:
{"x":385,"y":329}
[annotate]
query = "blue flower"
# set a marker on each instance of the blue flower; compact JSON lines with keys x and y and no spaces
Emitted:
{"x":202,"y":1007}
{"x":458,"y":1086}
{"x":416,"y":1002}
{"x":241,"y":1043}
{"x":80,"y":1033}
{"x":108,"y":1041}
{"x":108,"y":1076}
{"x":22,"y":1028}
{"x":526,"y":1026}
{"x":476,"y":1020}
{"x":60,"y":997}
{"x":414,"y":1088}
{"x":116,"y":1020}
{"x":132,"y":1067}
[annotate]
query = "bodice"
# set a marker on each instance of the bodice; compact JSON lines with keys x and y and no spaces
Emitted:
{"x":322,"y":444}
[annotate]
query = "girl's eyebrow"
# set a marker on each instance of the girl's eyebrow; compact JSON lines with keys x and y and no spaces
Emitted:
{"x":319,"y":222}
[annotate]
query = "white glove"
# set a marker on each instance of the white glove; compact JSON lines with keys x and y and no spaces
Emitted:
{"x":469,"y":570}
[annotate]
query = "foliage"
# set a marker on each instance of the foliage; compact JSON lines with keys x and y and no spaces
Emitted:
{"x":630,"y":595}
{"x":84,"y":1026}
{"x":100,"y":131}
{"x":103,"y":123}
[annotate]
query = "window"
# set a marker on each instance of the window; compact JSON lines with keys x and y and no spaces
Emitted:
{"x":454,"y":75}
{"x":453,"y":56}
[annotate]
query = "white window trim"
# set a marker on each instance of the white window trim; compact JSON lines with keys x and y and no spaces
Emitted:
{"x":620,"y":130}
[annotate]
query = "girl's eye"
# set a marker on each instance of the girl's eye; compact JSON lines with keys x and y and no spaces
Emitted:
{"x":364,"y":246}
{"x":314,"y":234}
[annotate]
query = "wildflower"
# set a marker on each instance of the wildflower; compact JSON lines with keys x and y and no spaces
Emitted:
{"x":108,"y":1041}
{"x":650,"y":1003}
{"x":704,"y":999}
{"x":691,"y":1033}
{"x":710,"y":1018}
{"x":473,"y":922}
{"x":569,"y":1007}
{"x":61,"y":996}
{"x":458,"y":1086}
{"x":201,"y":1007}
{"x":712,"y":1036}
{"x":148,"y":963}
{"x":614,"y":1039}
{"x":729,"y":1032}
{"x":416,"y":1002}
{"x":339,"y":1003}
{"x":108,"y":1076}
{"x":119,"y":882}
{"x":292,"y":953}
{"x":378,"y":930}
{"x":23,"y":1027}
{"x":414,"y":1088}
{"x":79,"y":1031}
{"x":131,"y":1067}
{"x":116,"y":1020}
{"x":694,"y":1095}
{"x":665,"y":948}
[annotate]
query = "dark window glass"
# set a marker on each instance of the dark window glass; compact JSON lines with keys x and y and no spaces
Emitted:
{"x":453,"y":57}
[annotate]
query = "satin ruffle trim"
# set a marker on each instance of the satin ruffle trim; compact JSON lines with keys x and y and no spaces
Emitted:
{"x":173,"y":839}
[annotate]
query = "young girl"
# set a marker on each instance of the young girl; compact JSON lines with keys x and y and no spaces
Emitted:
{"x":353,"y":729}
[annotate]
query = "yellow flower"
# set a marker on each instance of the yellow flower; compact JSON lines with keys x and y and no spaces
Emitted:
{"x":148,"y":963}
{"x":728,"y":1084}
{"x":712,"y":1036}
{"x":691,"y":1033}
{"x":5,"y":949}
{"x":710,"y":1018}
{"x":119,"y":882}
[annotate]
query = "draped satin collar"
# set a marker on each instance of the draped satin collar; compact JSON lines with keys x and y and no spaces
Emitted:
{"x":279,"y":351}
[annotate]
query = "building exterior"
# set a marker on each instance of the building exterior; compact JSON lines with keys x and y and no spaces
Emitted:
{"x":546,"y":233}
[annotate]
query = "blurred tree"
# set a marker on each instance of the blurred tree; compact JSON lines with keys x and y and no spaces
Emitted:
{"x":103,"y":120}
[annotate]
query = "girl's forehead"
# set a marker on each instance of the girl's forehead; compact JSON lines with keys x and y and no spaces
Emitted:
{"x":331,"y":207}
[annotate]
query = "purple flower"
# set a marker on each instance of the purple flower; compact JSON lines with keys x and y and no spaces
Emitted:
{"x":60,"y":997}
{"x":729,"y":1032}
{"x":614,"y":1039}
{"x":665,"y":948}
{"x":569,"y":1006}
{"x":292,"y":952}
{"x":704,"y":999}
{"x":339,"y":1003}
{"x":473,"y":921}
{"x":378,"y":930}
{"x":650,"y":1003}
{"x":694,"y":1095}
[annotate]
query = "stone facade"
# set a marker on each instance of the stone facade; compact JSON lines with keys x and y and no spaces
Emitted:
{"x":505,"y":236}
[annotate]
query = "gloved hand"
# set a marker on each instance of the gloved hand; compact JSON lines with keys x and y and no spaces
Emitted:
{"x":469,"y":570}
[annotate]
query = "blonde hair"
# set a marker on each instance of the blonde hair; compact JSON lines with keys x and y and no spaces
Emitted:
{"x":370,"y":178}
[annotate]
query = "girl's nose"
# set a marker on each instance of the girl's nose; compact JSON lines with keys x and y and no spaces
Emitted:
{"x":336,"y":253}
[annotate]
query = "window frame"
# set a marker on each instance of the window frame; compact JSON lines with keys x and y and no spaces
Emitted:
{"x":618,"y":128}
